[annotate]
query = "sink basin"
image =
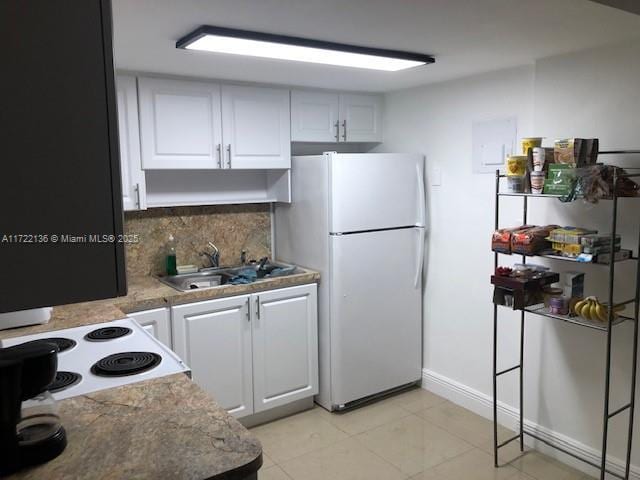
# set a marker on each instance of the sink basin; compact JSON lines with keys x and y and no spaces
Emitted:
{"x":192,"y":281}
{"x":215,"y":277}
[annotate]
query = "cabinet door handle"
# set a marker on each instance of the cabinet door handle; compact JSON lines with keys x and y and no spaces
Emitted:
{"x":337,"y":125}
{"x":219,"y":155}
{"x":229,"y":156}
{"x":258,"y":308}
{"x":248,"y":311}
{"x":137,"y":189}
{"x":344,"y":130}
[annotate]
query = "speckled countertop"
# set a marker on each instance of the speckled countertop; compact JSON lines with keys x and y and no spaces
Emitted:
{"x":146,"y":292}
{"x":165,"y":428}
{"x":162,"y":428}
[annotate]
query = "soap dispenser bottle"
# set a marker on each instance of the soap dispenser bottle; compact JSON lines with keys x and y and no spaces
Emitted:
{"x":171,"y":262}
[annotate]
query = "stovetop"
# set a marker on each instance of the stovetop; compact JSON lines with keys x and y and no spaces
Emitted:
{"x":105,"y":355}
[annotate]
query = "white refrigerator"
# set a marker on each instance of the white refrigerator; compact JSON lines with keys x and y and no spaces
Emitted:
{"x":359,"y":219}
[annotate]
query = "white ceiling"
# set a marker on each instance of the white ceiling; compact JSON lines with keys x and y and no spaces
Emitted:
{"x":466,"y":36}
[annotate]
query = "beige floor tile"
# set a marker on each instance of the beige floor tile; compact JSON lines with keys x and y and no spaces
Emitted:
{"x":538,"y":465}
{"x":296,"y":435}
{"x":267,"y":461}
{"x":272,"y":473}
{"x":346,"y":460}
{"x":472,"y":465}
{"x":412,"y":444}
{"x":465,"y":424}
{"x":364,"y":418}
{"x":417,"y":399}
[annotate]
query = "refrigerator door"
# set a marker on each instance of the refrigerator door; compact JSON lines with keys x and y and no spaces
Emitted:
{"x":375,"y":191}
{"x":376,"y":312}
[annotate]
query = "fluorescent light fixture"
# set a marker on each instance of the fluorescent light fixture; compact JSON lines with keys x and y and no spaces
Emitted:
{"x":266,"y":45}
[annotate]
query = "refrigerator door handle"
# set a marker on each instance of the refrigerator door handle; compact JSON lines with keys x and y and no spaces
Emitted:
{"x":420,"y":259}
{"x":422,"y":198}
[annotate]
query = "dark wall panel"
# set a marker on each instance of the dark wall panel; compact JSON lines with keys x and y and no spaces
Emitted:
{"x":60,"y":159}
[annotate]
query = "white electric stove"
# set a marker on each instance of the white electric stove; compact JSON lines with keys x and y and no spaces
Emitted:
{"x":105,"y":355}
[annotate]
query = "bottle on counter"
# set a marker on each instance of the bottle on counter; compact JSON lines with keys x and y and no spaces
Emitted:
{"x":171,"y":262}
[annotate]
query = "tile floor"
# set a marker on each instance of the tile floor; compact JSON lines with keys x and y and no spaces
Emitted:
{"x":414,"y":435}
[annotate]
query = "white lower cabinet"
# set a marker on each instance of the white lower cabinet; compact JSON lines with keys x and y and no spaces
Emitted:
{"x":157,"y":322}
{"x":214,"y":339}
{"x":252,"y":352}
{"x":285,"y":346}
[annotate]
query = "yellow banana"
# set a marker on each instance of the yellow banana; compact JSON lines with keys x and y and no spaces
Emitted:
{"x":577,"y":307}
{"x":585,"y":311}
{"x":601,"y":312}
{"x":593,"y":311}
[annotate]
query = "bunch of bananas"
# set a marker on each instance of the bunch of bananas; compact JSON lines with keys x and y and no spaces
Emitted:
{"x":591,"y":309}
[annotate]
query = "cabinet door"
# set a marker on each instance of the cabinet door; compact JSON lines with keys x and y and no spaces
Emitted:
{"x":179,"y":124}
{"x":133,"y":181}
{"x":256,"y":127}
{"x":285,"y":346}
{"x":360,"y":118}
{"x":214,"y":339}
{"x":314,"y":116}
{"x":157,"y":322}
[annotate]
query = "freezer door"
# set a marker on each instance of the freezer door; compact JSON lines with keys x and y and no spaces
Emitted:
{"x":376,"y":312}
{"x":375,"y":191}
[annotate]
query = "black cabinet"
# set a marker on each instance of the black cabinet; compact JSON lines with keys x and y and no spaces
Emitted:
{"x":60,"y":194}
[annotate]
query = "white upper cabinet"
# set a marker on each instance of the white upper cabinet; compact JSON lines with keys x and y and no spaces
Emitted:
{"x":256,"y":127}
{"x":360,"y":117}
{"x":314,"y":117}
{"x":133,"y":180}
{"x":180,"y":124}
{"x":285,"y":346}
{"x":333,"y":117}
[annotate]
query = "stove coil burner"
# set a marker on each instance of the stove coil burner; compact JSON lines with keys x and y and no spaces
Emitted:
{"x":107,"y":333}
{"x":63,"y":381}
{"x":63,"y":344}
{"x":127,"y":363}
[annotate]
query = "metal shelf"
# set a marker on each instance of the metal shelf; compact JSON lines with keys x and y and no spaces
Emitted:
{"x":583,"y":322}
{"x":537,"y":195}
{"x":604,"y":327}
{"x":569,"y":259}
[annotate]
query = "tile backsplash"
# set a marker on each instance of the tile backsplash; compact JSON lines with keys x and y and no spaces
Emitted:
{"x":232,"y":228}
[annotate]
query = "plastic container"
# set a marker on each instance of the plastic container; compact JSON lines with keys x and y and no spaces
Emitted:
{"x":537,"y":182}
{"x":516,"y":184}
{"x":517,"y":165}
{"x":549,"y":293}
{"x":530,"y":142}
{"x":559,"y":305}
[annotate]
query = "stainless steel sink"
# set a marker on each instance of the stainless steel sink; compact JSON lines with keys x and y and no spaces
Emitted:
{"x":215,"y":277}
{"x":193,"y":281}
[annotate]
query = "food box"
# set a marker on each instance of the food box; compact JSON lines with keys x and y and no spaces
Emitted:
{"x":520,"y":292}
{"x":570,"y":234}
{"x":567,"y":151}
{"x":531,"y":241}
{"x":573,"y":284}
{"x":597,"y":250}
{"x":501,"y":239}
{"x":619,"y":255}
{"x":552,"y":188}
{"x":595,"y":240}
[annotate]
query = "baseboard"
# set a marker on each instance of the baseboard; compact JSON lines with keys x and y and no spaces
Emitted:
{"x":482,"y":404}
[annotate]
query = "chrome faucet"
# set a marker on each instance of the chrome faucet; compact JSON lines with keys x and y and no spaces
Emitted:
{"x":214,"y":257}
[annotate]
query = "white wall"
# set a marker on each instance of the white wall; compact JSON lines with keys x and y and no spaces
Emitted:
{"x":594,"y":93}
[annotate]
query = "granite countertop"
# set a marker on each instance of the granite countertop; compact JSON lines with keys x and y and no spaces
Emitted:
{"x":164,"y":428}
{"x":146,"y":292}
